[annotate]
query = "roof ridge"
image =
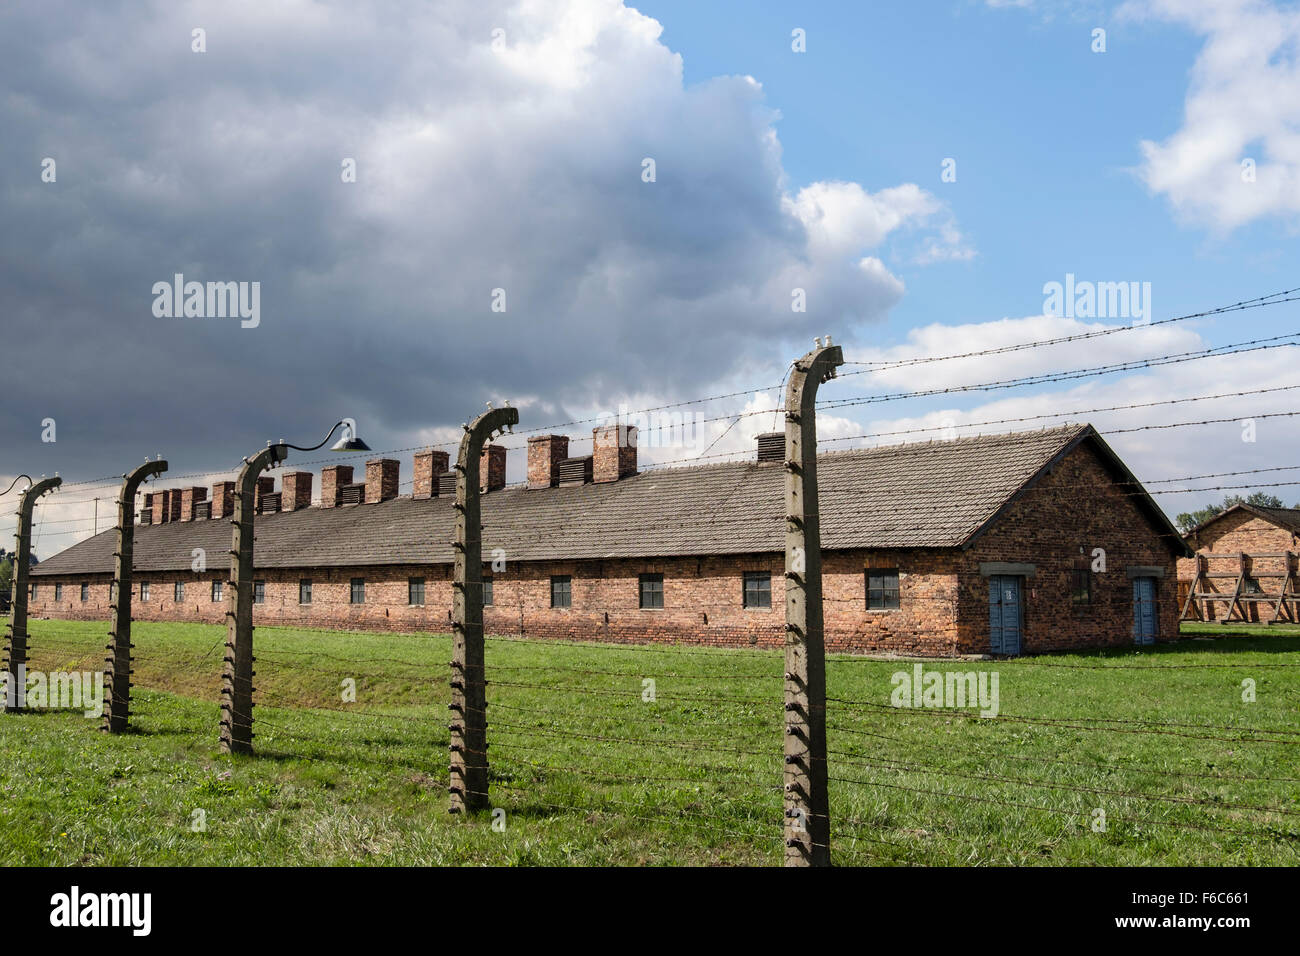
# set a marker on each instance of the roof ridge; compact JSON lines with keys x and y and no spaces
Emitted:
{"x":883,"y":449}
{"x":923,"y":494}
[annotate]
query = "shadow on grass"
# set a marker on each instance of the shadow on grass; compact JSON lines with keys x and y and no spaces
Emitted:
{"x":30,"y":713}
{"x":1194,"y":643}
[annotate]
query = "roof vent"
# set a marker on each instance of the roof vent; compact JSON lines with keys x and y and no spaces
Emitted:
{"x":574,"y":471}
{"x":271,"y":503}
{"x":447,"y":485}
{"x":771,"y":446}
{"x":352,"y":494}
{"x":203,"y":511}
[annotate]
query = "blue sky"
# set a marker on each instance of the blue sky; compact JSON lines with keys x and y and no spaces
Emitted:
{"x":1045,"y":133}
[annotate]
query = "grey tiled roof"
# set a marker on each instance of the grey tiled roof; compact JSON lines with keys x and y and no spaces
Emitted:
{"x":933,"y":495}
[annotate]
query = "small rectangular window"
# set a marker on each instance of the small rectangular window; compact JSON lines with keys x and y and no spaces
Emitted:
{"x":144,"y":590}
{"x":882,"y":589}
{"x":561,"y":590}
{"x":652,"y":591}
{"x":358,"y":595}
{"x":178,"y":592}
{"x":487,"y":592}
{"x":1080,"y":586}
{"x":415,"y":591}
{"x":304,"y":591}
{"x":758,"y":589}
{"x":31,"y":591}
{"x":58,"y":592}
{"x":259,"y":592}
{"x":217,"y":588}
{"x":112,"y":592}
{"x":85,"y":592}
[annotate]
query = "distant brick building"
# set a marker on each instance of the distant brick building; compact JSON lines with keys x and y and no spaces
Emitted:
{"x":1007,"y":544}
{"x":1246,"y":567}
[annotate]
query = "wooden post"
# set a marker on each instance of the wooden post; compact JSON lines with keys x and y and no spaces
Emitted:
{"x":16,"y":638}
{"x":1236,"y":590}
{"x":117,"y":673}
{"x":1192,"y":599}
{"x":807,"y":802}
{"x":237,"y":672}
{"x":1281,"y":605}
{"x":469,"y":766}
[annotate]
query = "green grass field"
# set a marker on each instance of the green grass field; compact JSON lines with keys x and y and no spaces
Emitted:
{"x":588,"y":772}
{"x":1215,"y":629}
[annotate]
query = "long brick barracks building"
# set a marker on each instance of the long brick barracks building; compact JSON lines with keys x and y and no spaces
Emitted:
{"x":983,"y":544}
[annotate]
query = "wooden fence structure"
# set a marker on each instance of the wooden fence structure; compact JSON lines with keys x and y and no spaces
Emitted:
{"x":1247,"y":600}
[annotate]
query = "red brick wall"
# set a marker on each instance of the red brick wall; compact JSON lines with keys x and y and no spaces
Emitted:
{"x":1237,"y":532}
{"x":702,"y":601}
{"x":925,"y":623}
{"x":1070,"y":512}
{"x":72,"y":608}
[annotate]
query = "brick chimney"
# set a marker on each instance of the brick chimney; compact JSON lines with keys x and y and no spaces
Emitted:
{"x":545,"y":452}
{"x":381,"y":479}
{"x":492,"y":469}
{"x":166,"y":505}
{"x":265,"y":486}
{"x":223,"y":499}
{"x":331,"y":480}
{"x":429,"y":464}
{"x":189,"y":498}
{"x":295,"y":490}
{"x":613,"y":452}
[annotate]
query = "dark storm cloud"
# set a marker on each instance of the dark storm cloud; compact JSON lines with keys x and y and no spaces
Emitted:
{"x":518,"y":168}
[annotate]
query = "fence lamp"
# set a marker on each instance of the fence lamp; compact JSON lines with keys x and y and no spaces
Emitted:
{"x":347,"y":442}
{"x":14,"y":482}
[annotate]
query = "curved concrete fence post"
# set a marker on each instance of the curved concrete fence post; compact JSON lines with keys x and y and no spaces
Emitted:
{"x":469,"y":766}
{"x":16,"y":638}
{"x":117,"y":673}
{"x":807,"y":804}
{"x":237,"y":670}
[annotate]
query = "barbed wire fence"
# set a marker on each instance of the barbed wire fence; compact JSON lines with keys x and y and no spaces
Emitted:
{"x":679,"y":737}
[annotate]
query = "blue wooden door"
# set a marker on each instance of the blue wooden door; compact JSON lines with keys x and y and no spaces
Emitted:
{"x":1145,"y":624}
{"x":1005,"y":618}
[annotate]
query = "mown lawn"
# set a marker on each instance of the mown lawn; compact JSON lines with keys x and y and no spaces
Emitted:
{"x":589,"y":772}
